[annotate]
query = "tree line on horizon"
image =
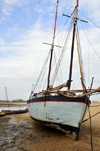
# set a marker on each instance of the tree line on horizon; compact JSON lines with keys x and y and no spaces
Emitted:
{"x":17,"y":100}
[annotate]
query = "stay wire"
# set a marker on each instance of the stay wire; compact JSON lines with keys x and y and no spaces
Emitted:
{"x":92,"y":115}
{"x":90,"y":42}
{"x":95,"y":106}
{"x":41,"y":71}
{"x":66,"y":20}
{"x":91,"y":130}
{"x":60,"y":57}
{"x":89,"y":19}
{"x":95,"y":93}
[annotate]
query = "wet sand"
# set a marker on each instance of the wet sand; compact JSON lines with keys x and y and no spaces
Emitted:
{"x":21,"y":133}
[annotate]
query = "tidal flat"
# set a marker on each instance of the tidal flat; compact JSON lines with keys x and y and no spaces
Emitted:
{"x":20,"y":133}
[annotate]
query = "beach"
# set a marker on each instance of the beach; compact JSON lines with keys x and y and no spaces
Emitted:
{"x":20,"y":133}
{"x":12,"y":103}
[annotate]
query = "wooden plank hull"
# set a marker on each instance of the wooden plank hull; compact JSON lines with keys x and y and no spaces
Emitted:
{"x":58,"y":110}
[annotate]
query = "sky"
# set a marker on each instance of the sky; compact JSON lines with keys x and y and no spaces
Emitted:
{"x":25,"y":25}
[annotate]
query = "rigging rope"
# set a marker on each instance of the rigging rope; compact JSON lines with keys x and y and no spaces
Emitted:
{"x":41,"y":71}
{"x":62,"y":28}
{"x":66,"y":20}
{"x":42,"y":76}
{"x":89,"y":19}
{"x":61,"y":55}
{"x":90,"y":130}
{"x":91,"y":116}
{"x":90,"y":42}
{"x":95,"y":106}
{"x":55,"y":61}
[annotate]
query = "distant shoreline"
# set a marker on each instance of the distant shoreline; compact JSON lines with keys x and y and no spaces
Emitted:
{"x":13,"y":103}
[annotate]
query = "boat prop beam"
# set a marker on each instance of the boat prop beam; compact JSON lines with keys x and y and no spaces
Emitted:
{"x":86,"y":94}
{"x":75,"y":18}
{"x":56,"y":88}
{"x":51,"y":44}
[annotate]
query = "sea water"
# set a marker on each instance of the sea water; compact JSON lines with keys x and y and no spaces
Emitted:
{"x":23,"y":107}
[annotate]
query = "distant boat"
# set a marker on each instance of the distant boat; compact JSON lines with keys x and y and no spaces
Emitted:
{"x":55,"y":106}
{"x":7,"y":112}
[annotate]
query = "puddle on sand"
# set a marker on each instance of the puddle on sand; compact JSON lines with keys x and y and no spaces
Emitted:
{"x":12,"y":132}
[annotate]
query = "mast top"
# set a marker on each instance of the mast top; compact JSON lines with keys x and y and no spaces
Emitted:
{"x":77,"y":2}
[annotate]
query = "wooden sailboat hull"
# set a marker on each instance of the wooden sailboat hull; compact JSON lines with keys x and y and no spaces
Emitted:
{"x":58,"y":109}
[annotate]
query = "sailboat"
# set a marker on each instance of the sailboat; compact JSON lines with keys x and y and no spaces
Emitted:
{"x":65,"y":108}
{"x":9,"y":111}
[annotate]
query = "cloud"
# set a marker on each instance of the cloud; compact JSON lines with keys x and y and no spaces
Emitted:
{"x":2,"y":42}
{"x":8,"y":5}
{"x":91,"y":8}
{"x":2,"y":20}
{"x":16,"y":2}
{"x":7,"y":9}
{"x":39,"y":10}
{"x":20,"y":65}
{"x":20,"y":62}
{"x":89,"y":2}
{"x":15,"y":29}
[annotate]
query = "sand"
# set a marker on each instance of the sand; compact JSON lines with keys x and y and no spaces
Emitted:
{"x":21,"y":133}
{"x":13,"y":103}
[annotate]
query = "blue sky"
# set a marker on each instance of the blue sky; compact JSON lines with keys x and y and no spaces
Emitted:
{"x":24,"y":26}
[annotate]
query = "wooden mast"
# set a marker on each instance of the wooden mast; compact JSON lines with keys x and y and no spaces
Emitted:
{"x":7,"y":97}
{"x":72,"y":48}
{"x":79,"y":57}
{"x":48,"y":83}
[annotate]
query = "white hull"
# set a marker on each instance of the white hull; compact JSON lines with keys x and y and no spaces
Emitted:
{"x":64,"y":113}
